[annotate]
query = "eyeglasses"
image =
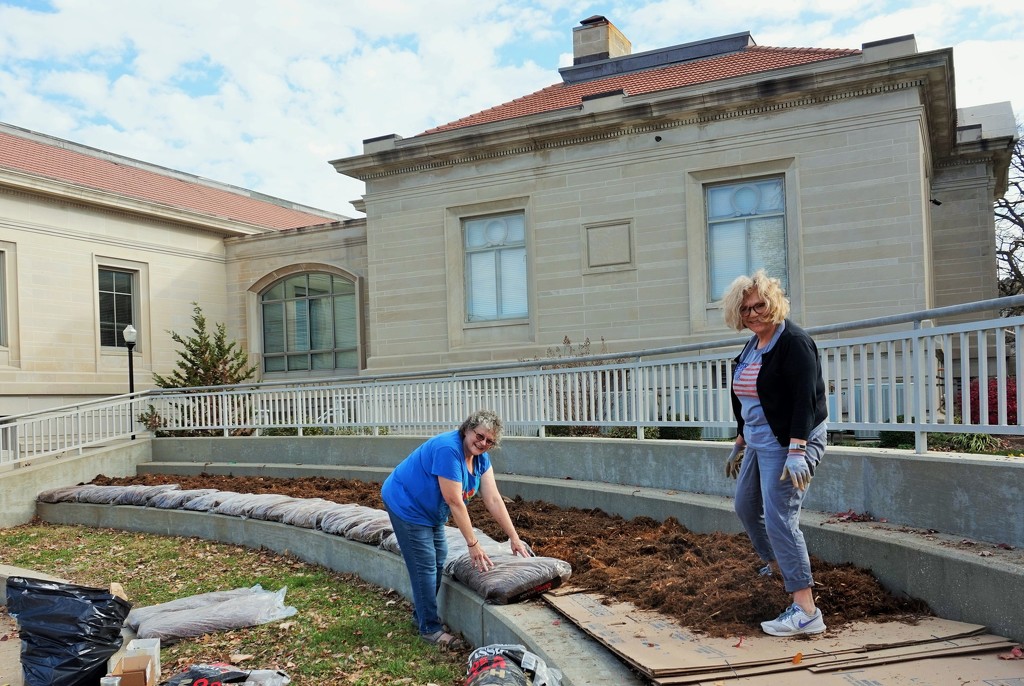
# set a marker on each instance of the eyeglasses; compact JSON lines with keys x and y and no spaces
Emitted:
{"x":480,"y":438}
{"x":756,"y":308}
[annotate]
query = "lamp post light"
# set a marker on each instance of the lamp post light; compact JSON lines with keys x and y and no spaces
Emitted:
{"x":130,"y":337}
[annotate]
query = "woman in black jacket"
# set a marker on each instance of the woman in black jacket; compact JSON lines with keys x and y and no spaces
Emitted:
{"x":778,"y":397}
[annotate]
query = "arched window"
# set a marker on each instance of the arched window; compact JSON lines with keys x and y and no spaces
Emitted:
{"x":309,"y":324}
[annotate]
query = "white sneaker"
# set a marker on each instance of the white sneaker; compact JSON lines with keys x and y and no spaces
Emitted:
{"x":795,"y":622}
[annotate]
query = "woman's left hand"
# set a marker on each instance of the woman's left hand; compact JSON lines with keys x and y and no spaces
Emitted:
{"x":520,"y":548}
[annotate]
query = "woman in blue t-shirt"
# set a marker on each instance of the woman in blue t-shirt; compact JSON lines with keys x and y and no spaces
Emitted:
{"x":435,"y":482}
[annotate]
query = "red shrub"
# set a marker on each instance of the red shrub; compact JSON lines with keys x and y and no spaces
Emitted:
{"x":993,"y":400}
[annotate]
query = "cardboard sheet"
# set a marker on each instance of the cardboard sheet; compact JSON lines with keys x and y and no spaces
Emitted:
{"x":670,"y":654}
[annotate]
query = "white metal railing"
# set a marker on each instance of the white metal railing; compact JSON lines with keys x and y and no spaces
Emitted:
{"x":918,"y":379}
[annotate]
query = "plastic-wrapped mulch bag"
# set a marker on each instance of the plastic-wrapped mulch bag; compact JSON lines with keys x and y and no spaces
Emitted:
{"x":138,"y":494}
{"x":503,"y":664}
{"x":244,"y":504}
{"x":64,"y":494}
{"x":246,"y":609}
{"x":307,"y":512}
{"x":512,"y":579}
{"x":205,"y":503}
{"x":100,"y":495}
{"x":173,"y":500}
{"x":192,"y":602}
{"x":68,"y":632}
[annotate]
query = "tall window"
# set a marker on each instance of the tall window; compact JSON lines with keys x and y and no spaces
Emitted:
{"x":309,"y":323}
{"x":117,"y":305}
{"x":746,"y":231}
{"x":495,"y":267}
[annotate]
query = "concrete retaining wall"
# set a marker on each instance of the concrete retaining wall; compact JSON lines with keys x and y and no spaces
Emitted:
{"x":20,"y":484}
{"x":970,"y":496}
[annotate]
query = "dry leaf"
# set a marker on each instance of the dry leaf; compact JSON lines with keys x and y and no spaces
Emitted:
{"x":240,"y":657}
{"x":739,"y":643}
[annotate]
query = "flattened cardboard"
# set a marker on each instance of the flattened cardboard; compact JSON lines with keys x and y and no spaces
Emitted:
{"x":658,"y":647}
{"x":852,"y":661}
{"x":978,"y":670}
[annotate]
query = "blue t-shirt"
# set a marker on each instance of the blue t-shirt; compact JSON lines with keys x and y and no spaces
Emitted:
{"x":412,"y":491}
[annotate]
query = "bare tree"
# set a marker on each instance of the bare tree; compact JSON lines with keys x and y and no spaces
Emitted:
{"x":1009,"y":211}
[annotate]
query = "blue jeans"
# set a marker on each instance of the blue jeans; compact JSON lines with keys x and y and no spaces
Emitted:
{"x":424,"y":549}
{"x":770,"y":510}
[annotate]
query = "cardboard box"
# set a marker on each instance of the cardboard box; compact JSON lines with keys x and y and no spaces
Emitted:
{"x":134,"y":670}
{"x":147,"y":646}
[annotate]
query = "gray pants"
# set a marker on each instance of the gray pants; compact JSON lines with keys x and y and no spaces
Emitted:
{"x":769,"y":509}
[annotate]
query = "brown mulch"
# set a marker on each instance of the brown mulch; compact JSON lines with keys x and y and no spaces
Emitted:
{"x":707,"y":582}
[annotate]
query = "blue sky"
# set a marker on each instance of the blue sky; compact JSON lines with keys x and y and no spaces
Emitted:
{"x":262,"y":93}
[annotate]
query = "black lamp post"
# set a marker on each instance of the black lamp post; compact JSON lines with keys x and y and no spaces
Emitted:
{"x":130,"y":337}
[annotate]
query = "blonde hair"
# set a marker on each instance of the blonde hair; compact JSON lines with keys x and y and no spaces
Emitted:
{"x":487,"y":419}
{"x":767,"y":287}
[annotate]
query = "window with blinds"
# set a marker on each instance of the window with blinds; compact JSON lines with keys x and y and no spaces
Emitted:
{"x":117,"y":305}
{"x":310,"y":324}
{"x":495,"y":251}
{"x":746,"y":231}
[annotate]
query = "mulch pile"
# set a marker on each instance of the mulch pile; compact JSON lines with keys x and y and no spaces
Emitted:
{"x":707,"y":582}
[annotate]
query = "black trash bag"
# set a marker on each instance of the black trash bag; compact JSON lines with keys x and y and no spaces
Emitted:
{"x":67,"y":632}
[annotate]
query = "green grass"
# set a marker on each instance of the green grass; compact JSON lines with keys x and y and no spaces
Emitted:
{"x":344,"y":632}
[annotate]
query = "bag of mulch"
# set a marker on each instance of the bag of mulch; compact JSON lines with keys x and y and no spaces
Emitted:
{"x":174,"y":500}
{"x":244,"y":504}
{"x":140,"y":495}
{"x":512,"y":664}
{"x":68,"y":632}
{"x":271,"y":509}
{"x":205,"y":503}
{"x":390,"y":544}
{"x":307,"y":512}
{"x":247,"y":609}
{"x":193,"y":602}
{"x":100,"y":495}
{"x":512,"y":579}
{"x":64,"y":494}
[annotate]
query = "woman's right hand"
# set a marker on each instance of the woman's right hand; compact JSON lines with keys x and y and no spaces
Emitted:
{"x":481,"y":562}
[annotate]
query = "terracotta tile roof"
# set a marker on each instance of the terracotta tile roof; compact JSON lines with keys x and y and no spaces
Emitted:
{"x":751,"y":60}
{"x":69,"y":163}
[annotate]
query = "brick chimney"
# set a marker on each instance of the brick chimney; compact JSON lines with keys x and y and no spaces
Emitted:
{"x":596,"y":39}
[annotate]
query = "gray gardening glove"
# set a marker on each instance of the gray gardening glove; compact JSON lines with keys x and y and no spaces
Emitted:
{"x":797,"y":470}
{"x":732,"y":465}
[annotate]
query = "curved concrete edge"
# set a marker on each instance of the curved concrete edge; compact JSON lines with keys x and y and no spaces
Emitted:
{"x":957,"y":585}
{"x":562,"y":645}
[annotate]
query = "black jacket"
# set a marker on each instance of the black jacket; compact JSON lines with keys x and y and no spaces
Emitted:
{"x":789,"y":386}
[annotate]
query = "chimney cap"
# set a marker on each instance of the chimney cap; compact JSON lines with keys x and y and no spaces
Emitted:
{"x":596,"y":19}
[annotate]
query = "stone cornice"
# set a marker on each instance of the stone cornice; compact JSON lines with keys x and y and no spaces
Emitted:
{"x":619,"y":114}
{"x":91,"y":197}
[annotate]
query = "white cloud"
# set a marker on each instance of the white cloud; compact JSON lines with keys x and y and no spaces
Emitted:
{"x":264,"y":94}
